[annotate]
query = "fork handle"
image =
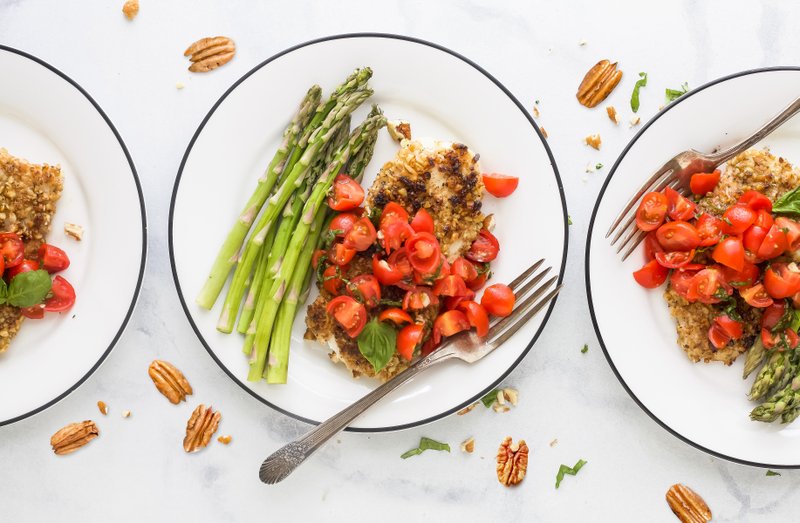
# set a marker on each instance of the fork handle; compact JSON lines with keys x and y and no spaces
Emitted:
{"x":283,"y":461}
{"x":765,"y":130}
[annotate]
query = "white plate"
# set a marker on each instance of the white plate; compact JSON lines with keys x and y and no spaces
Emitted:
{"x":703,"y":404}
{"x":47,"y":118}
{"x":444,"y":96}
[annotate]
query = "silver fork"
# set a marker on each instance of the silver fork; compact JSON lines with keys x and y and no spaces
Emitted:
{"x":676,"y":174}
{"x":466,"y":346}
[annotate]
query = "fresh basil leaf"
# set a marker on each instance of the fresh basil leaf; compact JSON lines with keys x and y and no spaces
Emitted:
{"x":490,"y":398}
{"x":585,"y":348}
{"x":795,"y":326}
{"x":3,"y":291}
{"x":377,"y":343}
{"x":772,"y":473}
{"x":563,"y":469}
{"x":29,"y":288}
{"x":673,"y":94}
{"x":598,"y":166}
{"x":789,"y":203}
{"x":641,"y":82}
{"x":739,"y":283}
{"x":426,"y":444}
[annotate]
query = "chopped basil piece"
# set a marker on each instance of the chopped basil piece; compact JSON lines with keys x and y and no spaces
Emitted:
{"x":489,"y":399}
{"x":28,"y":288}
{"x":795,"y":326}
{"x":598,"y":166}
{"x":641,"y":82}
{"x":772,"y":473}
{"x":426,"y":444}
{"x":563,"y":469}
{"x":673,"y":94}
{"x":569,"y":219}
{"x":585,"y":348}
{"x":789,"y":203}
{"x":739,"y":283}
{"x":786,"y":320}
{"x":377,"y":343}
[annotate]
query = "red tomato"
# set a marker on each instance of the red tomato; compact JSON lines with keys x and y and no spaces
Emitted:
{"x":331,"y":281}
{"x":737,"y":219}
{"x":12,"y":249}
{"x":484,"y":248}
{"x":25,"y":266}
{"x":423,"y":252}
{"x":35,"y":312}
{"x":703,"y":183}
{"x":678,"y":236}
{"x":52,"y":258}
{"x":771,"y":340}
{"x":361,"y":236}
{"x":347,"y":194}
{"x":500,"y":185}
{"x":422,"y":222}
{"x":763,"y":219}
{"x":419,"y":298}
{"x":319,"y":253}
{"x":63,"y":296}
{"x":651,"y":211}
{"x":743,"y":278}
{"x":342,"y":223}
{"x":386,"y":273}
{"x":754,"y":237}
{"x":730,"y":252}
{"x":498,"y":300}
{"x":449,"y":323}
{"x":395,"y":315}
{"x":450,"y":285}
{"x":350,"y":314}
{"x":464,"y":268}
{"x":366,"y":289}
{"x":756,"y":201}
{"x":479,"y":282}
{"x":674,"y":259}
{"x":709,"y":228}
{"x":395,"y":233}
{"x":708,"y":285}
{"x":476,"y":315}
{"x":717,"y":336}
{"x":399,"y":260}
{"x":792,"y":230}
{"x":340,"y":255}
{"x":782,"y":280}
{"x":756,"y":296}
{"x":774,"y":244}
{"x":651,"y":246}
{"x":679,"y":207}
{"x":428,"y":347}
{"x":393,"y":212}
{"x":408,"y":339}
{"x":731,"y":327}
{"x":773,"y":315}
{"x":680,"y":281}
{"x":452,"y":302}
{"x":652,"y":275}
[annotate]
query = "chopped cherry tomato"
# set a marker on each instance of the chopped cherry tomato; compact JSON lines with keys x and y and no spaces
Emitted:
{"x":786,"y":339}
{"x":730,"y":252}
{"x":745,"y":277}
{"x":476,"y":315}
{"x":678,"y":236}
{"x":703,"y":183}
{"x":35,"y":312}
{"x":350,"y":314}
{"x":708,"y":285}
{"x":395,"y":315}
{"x":451,"y":285}
{"x":393,"y":212}
{"x":680,"y":281}
{"x":386,"y":273}
{"x":717,"y":336}
{"x":737,"y":219}
{"x":422,"y":221}
{"x":408,"y":339}
{"x":709,"y":228}
{"x":319,"y":253}
{"x":678,"y":206}
{"x":361,"y":236}
{"x":63,"y":296}
{"x":428,"y":347}
{"x":498,"y":300}
{"x":651,"y":246}
{"x":340,"y":255}
{"x":331,"y":281}
{"x":763,"y":219}
{"x":52,"y":258}
{"x":399,"y":260}
{"x":731,"y":327}
{"x":774,"y":244}
{"x":342,"y":223}
{"x":782,"y":280}
{"x":423,"y":252}
{"x":753,"y":237}
{"x":25,"y":266}
{"x":773,"y":314}
{"x":484,"y":248}
{"x":500,"y":185}
{"x":366,"y":289}
{"x":395,"y":233}
{"x":449,"y":323}
{"x":419,"y":298}
{"x":652,"y":211}
{"x":479,"y":282}
{"x":652,"y":275}
{"x":452,"y":302}
{"x":792,"y":230}
{"x":347,"y":194}
{"x":674,"y":259}
{"x":464,"y":268}
{"x":12,"y":249}
{"x":756,"y":201}
{"x":756,"y":296}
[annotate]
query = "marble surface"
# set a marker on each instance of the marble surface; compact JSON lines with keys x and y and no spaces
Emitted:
{"x":137,"y":471}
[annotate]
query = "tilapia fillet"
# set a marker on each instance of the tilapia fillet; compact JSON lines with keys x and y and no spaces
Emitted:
{"x":28,"y":196}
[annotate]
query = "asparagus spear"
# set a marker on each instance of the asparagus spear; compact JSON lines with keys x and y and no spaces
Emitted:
{"x":769,"y":374}
{"x":790,"y":372}
{"x":755,"y":356}
{"x":258,"y":278}
{"x":227,"y":255}
{"x":785,"y":400}
{"x":266,"y":320}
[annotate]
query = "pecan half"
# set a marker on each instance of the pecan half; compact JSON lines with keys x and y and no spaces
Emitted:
{"x":73,"y":436}
{"x":169,"y":381}
{"x":687,"y":504}
{"x":598,"y":83}
{"x":207,"y":54}
{"x":512,"y":461}
{"x":201,"y":426}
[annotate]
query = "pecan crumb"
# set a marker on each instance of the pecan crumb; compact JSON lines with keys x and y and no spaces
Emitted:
{"x":467,"y":409}
{"x":130,"y":9}
{"x":554,"y":442}
{"x":225,"y":439}
{"x":544,"y":133}
{"x":593,"y":140}
{"x":179,"y":85}
{"x":101,"y":405}
{"x":611,"y":111}
{"x":126,"y":414}
{"x":635,"y":121}
{"x":468,"y":445}
{"x":536,"y":113}
{"x":75,"y":231}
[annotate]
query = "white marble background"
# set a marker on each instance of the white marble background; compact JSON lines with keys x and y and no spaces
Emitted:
{"x":137,"y":471}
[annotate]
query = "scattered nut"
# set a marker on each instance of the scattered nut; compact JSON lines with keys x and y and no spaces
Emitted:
{"x":130,"y":9}
{"x":169,"y":381}
{"x":76,"y":231}
{"x":511,"y":395}
{"x":399,"y":130}
{"x":207,"y":54}
{"x":536,"y":113}
{"x":73,"y":436}
{"x":126,"y":414}
{"x":225,"y":439}
{"x":179,"y":85}
{"x":611,"y":111}
{"x":103,"y":407}
{"x":468,"y":446}
{"x":501,"y":398}
{"x":598,"y":83}
{"x":512,"y":461}
{"x":590,"y":167}
{"x":581,"y":43}
{"x":635,"y":121}
{"x":687,"y":504}
{"x":593,"y":140}
{"x":500,"y":408}
{"x":489,"y":222}
{"x":544,"y":133}
{"x":201,"y":426}
{"x":554,"y":442}
{"x":467,"y":409}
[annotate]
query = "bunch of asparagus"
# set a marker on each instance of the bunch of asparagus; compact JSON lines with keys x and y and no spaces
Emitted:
{"x":778,"y":381}
{"x":271,"y":266}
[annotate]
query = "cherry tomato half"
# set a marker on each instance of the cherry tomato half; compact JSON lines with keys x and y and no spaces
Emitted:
{"x":361,"y":236}
{"x":423,"y":252}
{"x":652,"y":275}
{"x":652,"y":211}
{"x":678,"y":236}
{"x":737,"y":218}
{"x":680,"y":281}
{"x":775,"y":243}
{"x":350,"y":314}
{"x":366,"y":289}
{"x":347,"y":194}
{"x":395,"y":315}
{"x":340,"y":255}
{"x":756,"y":296}
{"x":25,"y":266}
{"x":12,"y":249}
{"x":730,"y":252}
{"x":35,"y":312}
{"x":52,"y":259}
{"x":422,"y":222}
{"x":484,"y":248}
{"x":678,"y":206}
{"x":500,"y":185}
{"x":476,"y":315}
{"x":717,"y":336}
{"x":464,"y":268}
{"x":331,"y":281}
{"x":498,"y":300}
{"x":386,"y":273}
{"x":63,"y":296}
{"x":418,"y":298}
{"x":449,"y":323}
{"x":342,"y":223}
{"x":756,"y":201}
{"x":408,"y":339}
{"x":792,"y":230}
{"x":393,"y":212}
{"x":708,"y":285}
{"x":782,"y":280}
{"x":674,"y":259}
{"x":709,"y":228}
{"x":450,"y":285}
{"x":731,"y":327}
{"x":703,"y":183}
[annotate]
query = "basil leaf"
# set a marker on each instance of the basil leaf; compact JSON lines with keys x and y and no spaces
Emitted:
{"x":772,"y":473}
{"x":377,"y":343}
{"x":673,"y":94}
{"x":641,"y":82}
{"x":563,"y":469}
{"x":426,"y":444}
{"x":490,"y":398}
{"x":29,"y":288}
{"x":585,"y":348}
{"x":3,"y":291}
{"x":795,"y":326}
{"x":789,"y":203}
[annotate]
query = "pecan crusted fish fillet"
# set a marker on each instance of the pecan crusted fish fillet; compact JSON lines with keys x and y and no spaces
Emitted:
{"x":28,"y":196}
